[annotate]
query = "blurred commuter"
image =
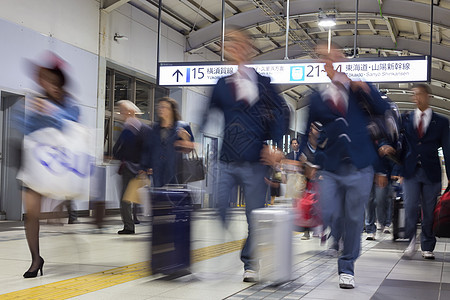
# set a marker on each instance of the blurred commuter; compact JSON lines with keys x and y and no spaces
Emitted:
{"x":71,"y":212}
{"x":254,"y":113}
{"x":129,"y":150}
{"x":346,"y":176}
{"x":310,"y":167}
{"x":378,"y":207}
{"x":47,"y":111}
{"x":383,"y":196}
{"x":169,"y":139}
{"x":294,"y":154}
{"x":425,"y":132}
{"x":274,"y":182}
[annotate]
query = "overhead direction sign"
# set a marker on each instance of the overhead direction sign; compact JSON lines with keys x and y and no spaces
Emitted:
{"x":386,"y":69}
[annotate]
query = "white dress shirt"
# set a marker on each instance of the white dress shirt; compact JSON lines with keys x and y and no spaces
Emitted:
{"x":426,"y":118}
{"x":336,"y":93}
{"x":245,"y":80}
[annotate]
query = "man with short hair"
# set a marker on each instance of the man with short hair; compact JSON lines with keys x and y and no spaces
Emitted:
{"x":253,"y":112}
{"x":346,"y":174}
{"x":425,"y":132}
{"x":294,"y":154}
{"x":129,"y":149}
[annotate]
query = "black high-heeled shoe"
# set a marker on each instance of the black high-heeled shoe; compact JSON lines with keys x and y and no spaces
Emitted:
{"x":32,"y":274}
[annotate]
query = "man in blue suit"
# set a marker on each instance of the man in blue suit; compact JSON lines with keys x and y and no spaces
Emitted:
{"x":424,"y":132}
{"x":346,"y":174}
{"x":253,"y":113}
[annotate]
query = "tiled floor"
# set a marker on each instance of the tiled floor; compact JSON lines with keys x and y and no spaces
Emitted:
{"x":72,"y":252}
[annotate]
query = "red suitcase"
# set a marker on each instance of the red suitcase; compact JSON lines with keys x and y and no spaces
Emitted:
{"x":441,"y":224}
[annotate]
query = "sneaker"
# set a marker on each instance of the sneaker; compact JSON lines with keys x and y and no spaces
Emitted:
{"x":411,"y":249}
{"x":125,"y":231}
{"x":250,"y":276}
{"x":332,"y":253}
{"x":370,"y":237}
{"x":306,"y":236}
{"x":346,"y":281}
{"x":428,"y":254}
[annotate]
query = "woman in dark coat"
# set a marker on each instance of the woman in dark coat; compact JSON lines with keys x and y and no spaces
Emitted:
{"x":170,"y":138}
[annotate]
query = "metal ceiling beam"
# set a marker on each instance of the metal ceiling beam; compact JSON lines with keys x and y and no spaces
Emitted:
{"x":393,"y":32}
{"x":197,"y":8}
{"x":371,"y":25}
{"x":268,"y":36}
{"x":168,"y":14}
{"x":371,"y":41}
{"x":416,"y":30}
{"x":231,"y":7}
{"x":403,"y":9}
{"x":282,"y":22}
{"x":302,"y":30}
{"x":435,"y":90}
{"x":438,"y":36}
{"x":109,"y":6}
{"x":349,"y":28}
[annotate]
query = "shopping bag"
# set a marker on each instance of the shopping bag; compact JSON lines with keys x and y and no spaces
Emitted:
{"x":144,"y":197}
{"x":132,"y":193}
{"x":307,"y":209}
{"x":295,"y":185}
{"x":192,"y":168}
{"x":57,"y":163}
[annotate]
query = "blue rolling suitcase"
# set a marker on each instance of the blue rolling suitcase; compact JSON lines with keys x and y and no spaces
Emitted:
{"x":398,"y":216}
{"x":171,"y":231}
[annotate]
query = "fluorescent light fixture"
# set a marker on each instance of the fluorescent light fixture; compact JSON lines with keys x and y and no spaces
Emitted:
{"x":327,"y":22}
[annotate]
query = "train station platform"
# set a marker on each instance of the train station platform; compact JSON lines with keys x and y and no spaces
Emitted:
{"x":84,"y":262}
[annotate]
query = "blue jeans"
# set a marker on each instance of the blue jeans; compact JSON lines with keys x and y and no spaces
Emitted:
{"x":379,"y":203}
{"x":337,"y":228}
{"x":250,"y":176}
{"x":383,"y":201}
{"x":343,"y":194}
{"x":420,"y":190}
{"x":371,"y":205}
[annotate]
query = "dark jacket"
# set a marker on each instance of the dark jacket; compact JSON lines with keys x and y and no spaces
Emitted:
{"x":291,"y":155}
{"x":344,"y":138}
{"x":424,"y":151}
{"x":248,"y":127}
{"x":160,"y":154}
{"x":130,"y":146}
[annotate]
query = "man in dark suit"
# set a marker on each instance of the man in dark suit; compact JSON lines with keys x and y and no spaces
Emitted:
{"x":129,"y":150}
{"x":425,"y":132}
{"x":253,"y":113}
{"x":294,"y":154}
{"x":346,"y":175}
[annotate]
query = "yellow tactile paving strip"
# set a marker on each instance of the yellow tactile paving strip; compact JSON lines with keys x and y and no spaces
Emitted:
{"x":90,"y":283}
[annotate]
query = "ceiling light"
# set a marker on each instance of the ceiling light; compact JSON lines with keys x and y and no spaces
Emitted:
{"x":327,"y":22}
